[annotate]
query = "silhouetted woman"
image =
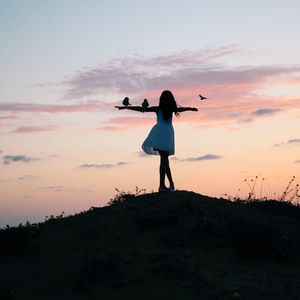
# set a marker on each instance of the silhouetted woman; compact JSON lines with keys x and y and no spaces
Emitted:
{"x":160,"y":140}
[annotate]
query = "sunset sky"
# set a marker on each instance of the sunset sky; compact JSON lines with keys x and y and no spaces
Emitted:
{"x":66,"y":64}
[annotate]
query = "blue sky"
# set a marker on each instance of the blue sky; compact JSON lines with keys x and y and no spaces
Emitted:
{"x":39,"y":35}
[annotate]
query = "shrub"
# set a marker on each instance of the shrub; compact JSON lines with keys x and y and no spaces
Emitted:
{"x":16,"y":240}
{"x":122,"y":196}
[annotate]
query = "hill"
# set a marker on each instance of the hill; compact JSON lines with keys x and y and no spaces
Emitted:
{"x":179,"y":245}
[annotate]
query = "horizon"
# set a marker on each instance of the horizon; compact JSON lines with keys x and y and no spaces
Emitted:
{"x":64,"y":147}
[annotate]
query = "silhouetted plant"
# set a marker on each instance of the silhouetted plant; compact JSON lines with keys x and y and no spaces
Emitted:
{"x":52,"y":217}
{"x":291,"y":192}
{"x":122,"y":196}
{"x":275,"y":207}
{"x":16,"y":240}
{"x":251,"y":184}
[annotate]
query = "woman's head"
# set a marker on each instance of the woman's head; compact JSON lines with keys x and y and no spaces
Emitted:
{"x":167,"y":104}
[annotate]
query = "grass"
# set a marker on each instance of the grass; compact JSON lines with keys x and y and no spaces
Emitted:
{"x":122,"y":196}
{"x":257,"y":191}
{"x":17,"y":240}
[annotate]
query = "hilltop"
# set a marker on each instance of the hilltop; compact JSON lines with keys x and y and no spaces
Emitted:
{"x":179,"y":245}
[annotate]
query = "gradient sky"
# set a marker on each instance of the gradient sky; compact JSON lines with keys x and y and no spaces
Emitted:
{"x":65,"y":64}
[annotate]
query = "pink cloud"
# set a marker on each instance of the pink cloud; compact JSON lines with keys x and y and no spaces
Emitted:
{"x":288,"y":10}
{"x":293,"y":82}
{"x":213,"y":112}
{"x":190,"y":70}
{"x":34,"y":129}
{"x":9,"y":112}
{"x":126,"y":123}
{"x":91,"y":106}
{"x":112,"y":128}
{"x":235,"y":92}
{"x":135,"y":73}
{"x":8,"y":115}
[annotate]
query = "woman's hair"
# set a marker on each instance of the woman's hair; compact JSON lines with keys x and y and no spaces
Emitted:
{"x":167,"y":105}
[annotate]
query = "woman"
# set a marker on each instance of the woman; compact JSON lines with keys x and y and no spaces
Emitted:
{"x":160,"y":140}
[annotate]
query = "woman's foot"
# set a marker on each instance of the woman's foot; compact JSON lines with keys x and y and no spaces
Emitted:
{"x":163,"y":189}
{"x":172,"y":187}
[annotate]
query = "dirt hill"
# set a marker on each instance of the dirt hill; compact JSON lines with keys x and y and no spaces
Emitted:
{"x":179,"y":245}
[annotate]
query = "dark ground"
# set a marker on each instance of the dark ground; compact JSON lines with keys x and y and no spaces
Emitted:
{"x":178,"y":245}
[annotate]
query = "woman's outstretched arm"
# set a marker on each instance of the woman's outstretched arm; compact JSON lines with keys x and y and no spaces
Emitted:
{"x":139,"y":108}
{"x":182,"y":109}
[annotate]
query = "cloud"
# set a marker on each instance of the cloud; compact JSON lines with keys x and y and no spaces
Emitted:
{"x":21,"y":178}
{"x":34,"y":129}
{"x":186,"y":71}
{"x":142,"y":154}
{"x":297,"y":161}
{"x":234,"y":110}
{"x":102,"y":166}
{"x":56,"y":188}
{"x":8,"y":159}
{"x":60,"y":188}
{"x":199,"y":158}
{"x":235,"y":92}
{"x":89,"y":106}
{"x":126,"y":123}
{"x":112,"y":128}
{"x":265,"y":112}
{"x":27,"y":177}
{"x":134,"y":73}
{"x":292,"y":142}
{"x":288,"y":10}
{"x":235,"y":115}
{"x":9,"y":116}
{"x":17,"y":110}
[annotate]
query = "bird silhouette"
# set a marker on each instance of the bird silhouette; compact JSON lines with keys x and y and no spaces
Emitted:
{"x":126,"y":101}
{"x":145,"y":104}
{"x":202,"y":98}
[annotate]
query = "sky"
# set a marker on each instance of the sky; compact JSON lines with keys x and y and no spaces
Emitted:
{"x":66,"y":64}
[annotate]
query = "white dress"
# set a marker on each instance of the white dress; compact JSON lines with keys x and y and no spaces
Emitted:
{"x":161,"y":137}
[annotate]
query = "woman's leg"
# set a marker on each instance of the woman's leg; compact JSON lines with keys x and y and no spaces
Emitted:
{"x":163,"y":168}
{"x":168,"y":172}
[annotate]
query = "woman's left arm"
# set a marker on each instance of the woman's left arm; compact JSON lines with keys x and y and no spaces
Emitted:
{"x":140,"y":108}
{"x":182,"y":109}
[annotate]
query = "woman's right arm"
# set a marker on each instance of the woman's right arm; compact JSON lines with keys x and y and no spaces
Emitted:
{"x":136,"y":108}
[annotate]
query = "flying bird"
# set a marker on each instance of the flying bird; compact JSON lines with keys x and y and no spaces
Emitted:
{"x":202,"y":98}
{"x":126,"y":101}
{"x":145,"y":104}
